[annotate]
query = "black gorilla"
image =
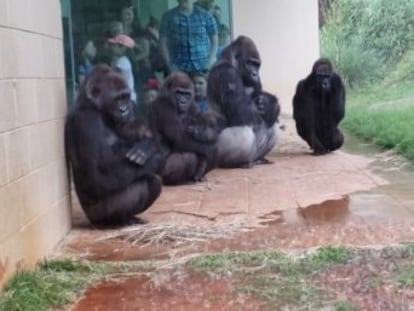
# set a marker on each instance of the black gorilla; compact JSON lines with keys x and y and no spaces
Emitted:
{"x":113,"y":158}
{"x":268,"y":108}
{"x":234,"y":87}
{"x":188,"y":135}
{"x":318,"y":107}
{"x":266,"y":123}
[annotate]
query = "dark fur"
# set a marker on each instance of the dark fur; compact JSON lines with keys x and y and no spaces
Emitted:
{"x":268,"y":108}
{"x":229,"y":83}
{"x":319,"y":106}
{"x":233,"y":87}
{"x":114,"y":176}
{"x":188,"y":134}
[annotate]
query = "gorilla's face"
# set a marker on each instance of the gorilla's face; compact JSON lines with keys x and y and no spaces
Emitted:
{"x":180,"y":89}
{"x":109,"y":92}
{"x":120,"y":106}
{"x":183,"y":99}
{"x":323,"y":76}
{"x":250,"y":72}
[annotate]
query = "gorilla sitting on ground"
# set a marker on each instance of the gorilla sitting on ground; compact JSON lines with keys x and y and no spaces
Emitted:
{"x":318,"y":107}
{"x":113,"y":158}
{"x":188,"y":135}
{"x":234,"y":89}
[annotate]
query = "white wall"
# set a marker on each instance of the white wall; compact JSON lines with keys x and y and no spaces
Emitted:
{"x":287,"y":35}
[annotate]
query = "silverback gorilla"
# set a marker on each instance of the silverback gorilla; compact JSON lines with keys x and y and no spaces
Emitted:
{"x":113,"y":158}
{"x":318,"y":107}
{"x":234,"y":89}
{"x":188,"y":135}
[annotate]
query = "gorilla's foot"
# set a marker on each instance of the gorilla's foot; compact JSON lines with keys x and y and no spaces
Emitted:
{"x":200,"y":178}
{"x":263,"y":161}
{"x":247,"y":165}
{"x":132,"y":221}
{"x":320,"y":152}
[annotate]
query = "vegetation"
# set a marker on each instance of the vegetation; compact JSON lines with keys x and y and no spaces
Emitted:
{"x":52,"y":284}
{"x":302,"y":280}
{"x":366,"y":39}
{"x":275,"y":276}
{"x":371,"y":43}
{"x":384,"y":115}
{"x":299,"y":282}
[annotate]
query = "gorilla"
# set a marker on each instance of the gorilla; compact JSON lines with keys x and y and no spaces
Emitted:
{"x":268,"y":108}
{"x":319,"y":106}
{"x":267,"y":111}
{"x":234,"y":89}
{"x":188,"y":135}
{"x":114,"y":159}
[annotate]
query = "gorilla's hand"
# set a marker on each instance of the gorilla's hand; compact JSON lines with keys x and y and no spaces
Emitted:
{"x":137,"y":155}
{"x":141,"y":151}
{"x":192,"y":130}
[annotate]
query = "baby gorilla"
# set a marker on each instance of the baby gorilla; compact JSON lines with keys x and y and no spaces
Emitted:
{"x":188,"y":135}
{"x":266,"y":123}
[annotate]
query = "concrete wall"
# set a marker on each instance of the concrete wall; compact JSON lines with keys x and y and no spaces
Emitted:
{"x":287,"y":35}
{"x":34,"y":205}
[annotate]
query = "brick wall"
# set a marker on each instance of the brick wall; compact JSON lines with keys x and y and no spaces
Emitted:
{"x":34,"y":204}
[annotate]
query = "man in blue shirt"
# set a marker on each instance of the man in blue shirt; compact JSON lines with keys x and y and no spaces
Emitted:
{"x":188,"y":37}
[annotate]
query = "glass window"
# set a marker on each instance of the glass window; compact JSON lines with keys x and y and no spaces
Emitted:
{"x":92,"y":29}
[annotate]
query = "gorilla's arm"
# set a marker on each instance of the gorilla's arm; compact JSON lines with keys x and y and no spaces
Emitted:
{"x":225,"y":87}
{"x":166,"y":121}
{"x":182,"y":141}
{"x":203,"y":127}
{"x":299,"y":108}
{"x":304,"y":115}
{"x":99,"y":154}
{"x":339,"y":98}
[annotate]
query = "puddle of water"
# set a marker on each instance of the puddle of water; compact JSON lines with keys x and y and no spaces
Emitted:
{"x":394,"y":200}
{"x":182,"y":293}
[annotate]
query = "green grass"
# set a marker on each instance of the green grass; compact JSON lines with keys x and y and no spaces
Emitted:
{"x":52,"y":284}
{"x":249,"y":260}
{"x":405,"y":276}
{"x":384,"y":116}
{"x":274,"y":276}
{"x":375,"y":282}
{"x":344,"y":306}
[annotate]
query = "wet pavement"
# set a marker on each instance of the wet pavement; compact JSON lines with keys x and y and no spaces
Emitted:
{"x":358,"y":196}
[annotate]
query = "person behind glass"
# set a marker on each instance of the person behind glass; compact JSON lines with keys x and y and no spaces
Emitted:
{"x":156,"y":58}
{"x":151,"y":90}
{"x":216,"y":11}
{"x":205,"y":4}
{"x":200,"y":90}
{"x":118,"y":47}
{"x":116,"y":28}
{"x":188,"y":38}
{"x":139,"y":55}
{"x":224,"y":39}
{"x":131,"y":27}
{"x":88,"y":55}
